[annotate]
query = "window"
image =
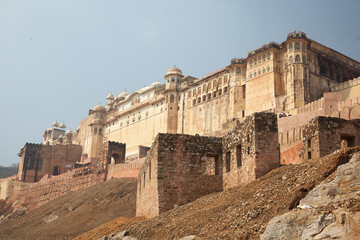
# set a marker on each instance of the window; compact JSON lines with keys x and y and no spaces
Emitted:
{"x":297,"y":58}
{"x":309,"y":155}
{"x":172,"y":98}
{"x":263,"y":70}
{"x":291,"y":59}
{"x":268,"y":69}
{"x":259,"y":72}
{"x":290,"y":47}
{"x":227,"y":159}
{"x":250,"y":76}
{"x":225,"y":90}
{"x":199,"y":99}
{"x":220,"y":82}
{"x":268,"y":56}
{"x":309,"y":143}
{"x":204,"y":98}
{"x":209,"y":96}
{"x":255,"y":74}
{"x":204,"y":88}
{"x":194,"y":102}
{"x":209,"y":86}
{"x":220,"y":92}
{"x":194,"y":92}
{"x":238,"y":156}
{"x":214,"y":94}
{"x":297,"y":46}
{"x":199,"y":90}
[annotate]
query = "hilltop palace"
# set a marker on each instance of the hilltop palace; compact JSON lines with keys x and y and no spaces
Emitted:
{"x":230,"y":116}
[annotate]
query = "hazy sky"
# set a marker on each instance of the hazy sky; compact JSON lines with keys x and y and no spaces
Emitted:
{"x":59,"y":58}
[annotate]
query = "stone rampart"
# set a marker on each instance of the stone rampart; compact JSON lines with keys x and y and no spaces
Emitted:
{"x":33,"y":195}
{"x":123,"y":170}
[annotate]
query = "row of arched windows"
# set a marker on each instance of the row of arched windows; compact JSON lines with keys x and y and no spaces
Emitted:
{"x":259,"y":59}
{"x":296,"y":47}
{"x":259,"y":72}
{"x":207,"y":87}
{"x":298,"y":59}
{"x":209,"y":96}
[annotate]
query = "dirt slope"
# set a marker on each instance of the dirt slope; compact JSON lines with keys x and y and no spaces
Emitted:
{"x":242,"y":212}
{"x":75,"y":212}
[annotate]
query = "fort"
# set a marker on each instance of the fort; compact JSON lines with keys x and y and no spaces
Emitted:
{"x":284,"y":103}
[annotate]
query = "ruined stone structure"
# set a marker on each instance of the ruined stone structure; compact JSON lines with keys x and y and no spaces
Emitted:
{"x":324,"y":135}
{"x":178,"y":169}
{"x":181,"y":168}
{"x":250,"y":150}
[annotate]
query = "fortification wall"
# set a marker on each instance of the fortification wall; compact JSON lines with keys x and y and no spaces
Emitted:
{"x":250,"y":150}
{"x":33,"y":195}
{"x":123,"y":170}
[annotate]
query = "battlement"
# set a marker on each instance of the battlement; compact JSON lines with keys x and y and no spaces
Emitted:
{"x":264,"y":47}
{"x":347,"y":84}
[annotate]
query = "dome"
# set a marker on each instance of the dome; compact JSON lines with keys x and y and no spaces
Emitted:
{"x":123,"y":94}
{"x":55,"y":124}
{"x":62,"y":125}
{"x":173,"y":71}
{"x":110,"y":96}
{"x":99,"y":108}
{"x":69,"y":131}
{"x":155,"y":84}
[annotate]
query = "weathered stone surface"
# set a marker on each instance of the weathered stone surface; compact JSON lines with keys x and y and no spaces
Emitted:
{"x":328,"y":212}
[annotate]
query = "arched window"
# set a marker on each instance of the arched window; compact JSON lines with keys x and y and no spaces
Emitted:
{"x":172,"y":98}
{"x":268,"y":68}
{"x":263,"y":70}
{"x":238,"y":70}
{"x":199,"y":99}
{"x":220,"y":92}
{"x":194,"y":92}
{"x":297,"y":58}
{"x":259,"y":72}
{"x":220,"y":82}
{"x":291,"y":59}
{"x":255,"y":74}
{"x":250,"y":76}
{"x":226,"y":78}
{"x":95,"y":131}
{"x":268,"y":56}
{"x":214,"y":84}
{"x":209,"y":86}
{"x":204,"y":98}
{"x":214,"y":94}
{"x":290,"y":47}
{"x":56,"y":170}
{"x":209,"y":96}
{"x":204,"y":88}
{"x":194,"y":102}
{"x":297,"y":46}
{"x":199,"y":90}
{"x":225,"y":90}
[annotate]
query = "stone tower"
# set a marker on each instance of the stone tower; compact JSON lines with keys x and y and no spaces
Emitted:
{"x":93,"y":143}
{"x":173,"y":80}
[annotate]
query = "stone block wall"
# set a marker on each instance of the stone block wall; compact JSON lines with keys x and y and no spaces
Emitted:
{"x":250,"y":150}
{"x":33,"y":195}
{"x":324,"y":135}
{"x":122,"y":170}
{"x":178,"y":169}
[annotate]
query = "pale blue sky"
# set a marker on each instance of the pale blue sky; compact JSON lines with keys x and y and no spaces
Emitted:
{"x":59,"y":58}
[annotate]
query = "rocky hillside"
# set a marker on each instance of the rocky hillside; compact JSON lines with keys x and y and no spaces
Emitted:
{"x":244,"y":212}
{"x":8,"y":171}
{"x":73,"y":213}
